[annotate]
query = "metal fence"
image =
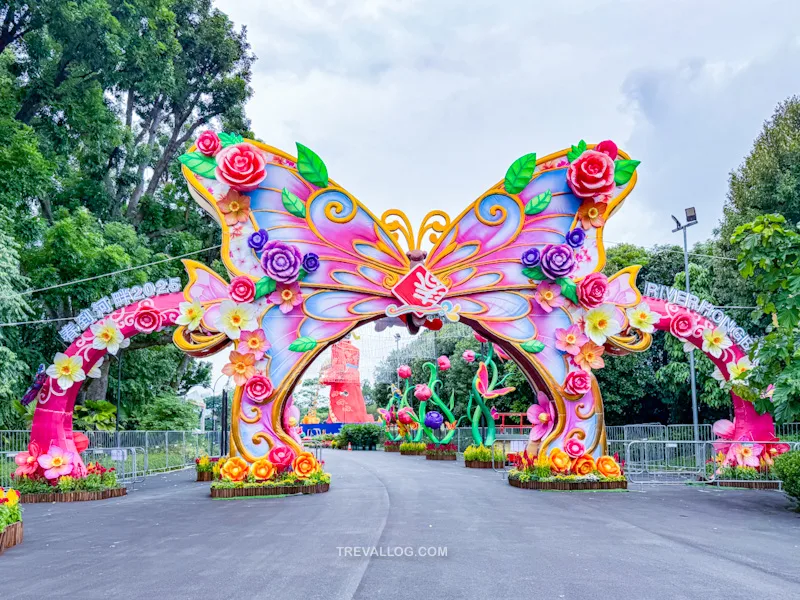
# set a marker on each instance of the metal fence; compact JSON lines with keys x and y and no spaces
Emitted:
{"x":144,"y":452}
{"x":681,"y":461}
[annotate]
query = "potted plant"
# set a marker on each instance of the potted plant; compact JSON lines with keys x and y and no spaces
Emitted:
{"x":441,"y":451}
{"x":412,"y":448}
{"x":480,"y":457}
{"x":566,"y":470}
{"x":10,"y":519}
{"x":204,"y":466}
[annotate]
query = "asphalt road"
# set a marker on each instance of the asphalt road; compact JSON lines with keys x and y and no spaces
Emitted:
{"x":168,"y":539}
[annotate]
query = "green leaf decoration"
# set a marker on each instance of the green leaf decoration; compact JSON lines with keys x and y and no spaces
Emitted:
{"x":519,"y":173}
{"x":568,"y":288}
{"x":623,"y":170}
{"x":311,"y":167}
{"x":534,"y":346}
{"x":303,"y":344}
{"x":229,"y":139}
{"x":534,"y":273}
{"x":301,"y":274}
{"x":199,"y":163}
{"x":576,"y":151}
{"x":538,"y":203}
{"x":293,"y":204}
{"x":265,"y":286}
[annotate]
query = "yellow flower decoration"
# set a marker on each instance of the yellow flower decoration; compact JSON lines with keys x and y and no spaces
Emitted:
{"x":107,"y":336}
{"x":190,"y":314}
{"x":642,"y":318}
{"x":715,"y":341}
{"x":66,"y":370}
{"x":602,"y":323}
{"x":738,"y":369}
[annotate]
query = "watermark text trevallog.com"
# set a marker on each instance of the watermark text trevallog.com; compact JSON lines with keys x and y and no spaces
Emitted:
{"x":391,"y":551}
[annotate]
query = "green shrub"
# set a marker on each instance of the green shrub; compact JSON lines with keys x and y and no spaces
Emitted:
{"x":484,"y":454}
{"x":787,"y":467}
{"x":360,"y":435}
{"x":413,"y":447}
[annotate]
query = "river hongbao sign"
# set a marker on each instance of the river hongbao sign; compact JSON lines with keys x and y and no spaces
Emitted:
{"x":701,"y":307}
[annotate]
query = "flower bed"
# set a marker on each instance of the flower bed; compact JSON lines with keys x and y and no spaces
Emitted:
{"x":750,"y":485}
{"x":204,"y":466}
{"x":279,"y":474}
{"x":441,"y":451}
{"x":412,"y":448}
{"x":10,"y":519}
{"x":389,"y":446}
{"x":55,"y":476}
{"x":571,"y":470}
{"x":480,"y":457}
{"x":569,"y":485}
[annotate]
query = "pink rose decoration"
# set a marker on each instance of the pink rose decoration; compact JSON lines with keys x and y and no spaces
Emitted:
{"x":468,"y":356}
{"x":242,"y":289}
{"x":480,"y":338}
{"x":607,"y":147}
{"x":682,"y":325}
{"x":241,"y":166}
{"x":405,"y":415}
{"x":259,"y":388}
{"x":422,"y":392}
{"x":590,"y":174}
{"x":578,"y":383}
{"x":147,"y":320}
{"x":592,"y":290}
{"x":443,"y":363}
{"x":209,"y":143}
{"x":574,"y":447}
{"x":404,"y":371}
{"x":281,"y":457}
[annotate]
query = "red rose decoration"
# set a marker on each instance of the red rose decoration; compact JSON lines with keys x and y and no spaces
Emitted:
{"x":682,"y":325}
{"x":578,"y":383}
{"x":209,"y":143}
{"x":607,"y":147}
{"x":242,"y":289}
{"x":592,"y":290}
{"x":147,"y":320}
{"x":241,"y":166}
{"x":259,"y":388}
{"x":590,"y":174}
{"x":281,"y":457}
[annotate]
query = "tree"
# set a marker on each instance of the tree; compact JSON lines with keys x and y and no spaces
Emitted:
{"x":167,"y":412}
{"x":769,"y":257}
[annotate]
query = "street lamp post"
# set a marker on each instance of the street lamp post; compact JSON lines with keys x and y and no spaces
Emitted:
{"x":691,"y":219}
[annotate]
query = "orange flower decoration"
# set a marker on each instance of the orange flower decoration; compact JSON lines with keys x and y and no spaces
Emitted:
{"x":234,"y":469}
{"x":608,"y":467}
{"x":242,"y":367}
{"x":590,"y":214}
{"x":304,"y":465}
{"x":263,"y":469}
{"x":590,"y":357}
{"x":560,"y":460}
{"x":584,"y":465}
{"x":234,"y":207}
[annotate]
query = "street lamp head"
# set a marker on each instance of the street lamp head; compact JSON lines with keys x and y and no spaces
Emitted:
{"x":691,"y":216}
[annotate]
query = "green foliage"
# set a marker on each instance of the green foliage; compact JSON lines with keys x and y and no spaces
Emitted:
{"x":293,"y":204}
{"x":483,"y":454}
{"x":311,"y":167}
{"x":534,"y":273}
{"x":360,"y":435}
{"x":576,"y":151}
{"x":519,"y":175}
{"x":303,"y":344}
{"x":538,"y":203}
{"x":168,"y":413}
{"x":9,"y":515}
{"x":623,"y":170}
{"x":413,"y":447}
{"x":787,"y":468}
{"x":94,"y":415}
{"x":770,"y":257}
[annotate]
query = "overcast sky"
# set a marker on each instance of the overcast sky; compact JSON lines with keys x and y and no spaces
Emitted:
{"x":424,"y":104}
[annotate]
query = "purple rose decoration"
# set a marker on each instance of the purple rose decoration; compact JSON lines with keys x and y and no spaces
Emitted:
{"x":310,"y":262}
{"x":433,"y":419}
{"x":281,"y":261}
{"x":530,"y":258}
{"x":558,"y":260}
{"x":576,"y":237}
{"x":257,"y":239}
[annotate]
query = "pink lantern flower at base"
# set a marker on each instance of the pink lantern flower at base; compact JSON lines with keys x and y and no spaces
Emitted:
{"x":574,"y":447}
{"x":56,"y":462}
{"x":745,"y":455}
{"x":443,"y":363}
{"x":28,"y":462}
{"x":468,"y":356}
{"x":542,"y":416}
{"x":479,"y":338}
{"x":404,"y":371}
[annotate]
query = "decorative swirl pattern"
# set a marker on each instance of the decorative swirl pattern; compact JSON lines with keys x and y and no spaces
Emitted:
{"x":493,"y":210}
{"x":436,"y":221}
{"x":396,"y":222}
{"x":335,"y":208}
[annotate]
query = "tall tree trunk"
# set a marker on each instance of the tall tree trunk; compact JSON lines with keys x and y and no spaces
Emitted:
{"x":98,"y":388}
